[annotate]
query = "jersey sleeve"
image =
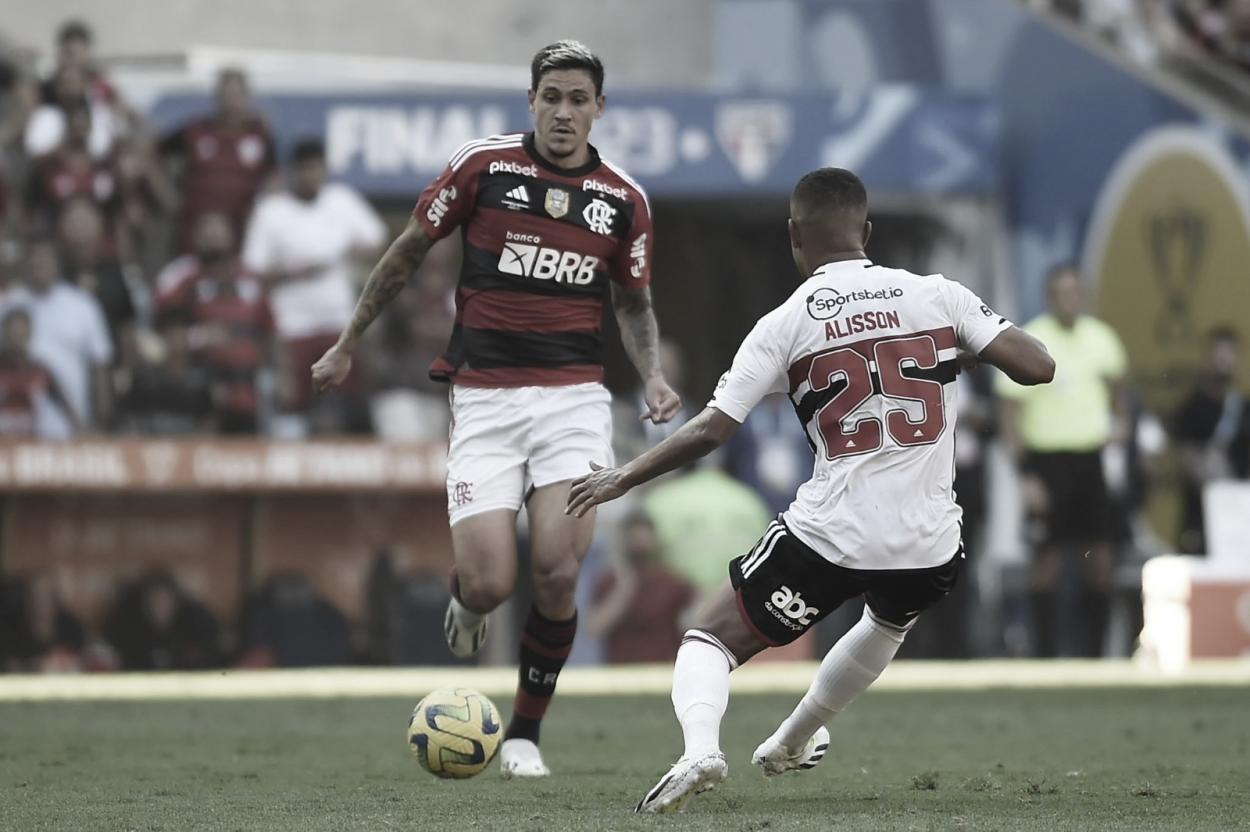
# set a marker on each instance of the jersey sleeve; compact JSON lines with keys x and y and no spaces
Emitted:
{"x":448,"y":201}
{"x":976,"y":324}
{"x":632,"y":265}
{"x":759,"y":368}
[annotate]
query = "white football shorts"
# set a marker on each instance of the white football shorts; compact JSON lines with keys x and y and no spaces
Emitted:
{"x":507,"y":441}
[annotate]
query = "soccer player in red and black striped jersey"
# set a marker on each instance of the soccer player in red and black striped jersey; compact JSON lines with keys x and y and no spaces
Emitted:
{"x":550,"y":230}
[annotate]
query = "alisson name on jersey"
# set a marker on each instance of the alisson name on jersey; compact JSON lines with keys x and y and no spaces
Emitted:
{"x":860,"y":322}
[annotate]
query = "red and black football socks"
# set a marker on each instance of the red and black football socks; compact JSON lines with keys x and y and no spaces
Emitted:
{"x":545,"y":646}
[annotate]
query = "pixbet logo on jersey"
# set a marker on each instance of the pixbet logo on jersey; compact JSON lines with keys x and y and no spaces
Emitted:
{"x":440,"y":205}
{"x":523,"y":257}
{"x":512,"y":167}
{"x":786,"y":602}
{"x":603,"y":188}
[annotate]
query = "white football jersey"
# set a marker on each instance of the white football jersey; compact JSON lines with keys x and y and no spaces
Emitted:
{"x":867,"y":356}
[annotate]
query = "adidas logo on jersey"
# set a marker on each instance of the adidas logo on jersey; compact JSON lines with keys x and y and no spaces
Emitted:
{"x":791,"y":604}
{"x":519,"y":194}
{"x":543,"y":263}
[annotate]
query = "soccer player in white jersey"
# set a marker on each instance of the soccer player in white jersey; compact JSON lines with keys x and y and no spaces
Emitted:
{"x":868,"y":356}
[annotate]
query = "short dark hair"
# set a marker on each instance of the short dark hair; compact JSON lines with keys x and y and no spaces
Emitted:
{"x":73,"y":30}
{"x":831,"y":191}
{"x":1223,"y":333}
{"x":566,"y":54}
{"x":308,"y":150}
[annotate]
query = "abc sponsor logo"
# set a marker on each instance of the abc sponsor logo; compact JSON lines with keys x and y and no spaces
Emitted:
{"x":790,"y":609}
{"x":439,"y":207}
{"x":501,"y":166}
{"x":826,"y":303}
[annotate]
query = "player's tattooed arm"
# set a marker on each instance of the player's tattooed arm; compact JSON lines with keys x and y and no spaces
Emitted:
{"x":401,"y":260}
{"x":389,"y":276}
{"x":639,"y":331}
{"x":641,"y":336}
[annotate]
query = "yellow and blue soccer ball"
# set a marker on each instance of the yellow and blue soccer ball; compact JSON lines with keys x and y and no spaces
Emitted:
{"x":454,"y":733}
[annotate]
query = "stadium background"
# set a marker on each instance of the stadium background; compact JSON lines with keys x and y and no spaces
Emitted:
{"x":997,"y":139}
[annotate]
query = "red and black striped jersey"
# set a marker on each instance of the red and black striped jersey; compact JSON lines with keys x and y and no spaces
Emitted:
{"x":540,"y":245}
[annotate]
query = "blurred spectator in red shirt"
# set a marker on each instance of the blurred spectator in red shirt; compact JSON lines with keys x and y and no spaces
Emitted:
{"x":226,"y":158}
{"x":639,"y":603}
{"x":25,"y":384}
{"x":48,"y":125}
{"x":230,"y":324}
{"x":69,"y":171}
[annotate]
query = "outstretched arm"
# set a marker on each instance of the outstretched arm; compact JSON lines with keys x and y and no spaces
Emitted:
{"x":398,"y":264}
{"x":697,"y":438}
{"x":640,"y":335}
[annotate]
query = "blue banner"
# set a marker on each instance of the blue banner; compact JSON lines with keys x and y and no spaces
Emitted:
{"x":903,"y":140}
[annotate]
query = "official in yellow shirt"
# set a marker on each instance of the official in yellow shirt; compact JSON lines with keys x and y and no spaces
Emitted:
{"x":1057,"y":432}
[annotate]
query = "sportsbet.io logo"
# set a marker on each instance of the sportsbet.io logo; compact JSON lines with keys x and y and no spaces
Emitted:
{"x":826,"y":303}
{"x":790,"y":609}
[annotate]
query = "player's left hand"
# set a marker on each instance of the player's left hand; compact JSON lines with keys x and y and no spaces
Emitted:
{"x":662,"y":402}
{"x":599,"y":486}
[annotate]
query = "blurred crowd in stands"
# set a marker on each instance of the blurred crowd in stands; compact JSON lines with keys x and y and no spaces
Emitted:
{"x":1150,"y":30}
{"x":159,"y":285}
{"x":184,"y":283}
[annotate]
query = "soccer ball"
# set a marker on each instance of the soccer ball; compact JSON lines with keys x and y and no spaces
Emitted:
{"x":454,"y":733}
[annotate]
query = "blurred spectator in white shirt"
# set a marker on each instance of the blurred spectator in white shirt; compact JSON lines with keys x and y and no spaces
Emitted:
{"x":70,"y":337}
{"x":305,"y":243}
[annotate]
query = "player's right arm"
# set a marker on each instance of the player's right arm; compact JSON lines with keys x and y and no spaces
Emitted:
{"x":442,"y":208}
{"x":400,"y":262}
{"x":995,"y":340}
{"x":1022,"y":357}
{"x":758,"y":369}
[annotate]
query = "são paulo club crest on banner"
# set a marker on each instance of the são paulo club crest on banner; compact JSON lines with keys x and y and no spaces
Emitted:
{"x":753,"y":135}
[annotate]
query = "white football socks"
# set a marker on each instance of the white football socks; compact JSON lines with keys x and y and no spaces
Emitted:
{"x":701,"y":690}
{"x":847,"y":670}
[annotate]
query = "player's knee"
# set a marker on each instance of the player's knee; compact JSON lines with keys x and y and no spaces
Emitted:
{"x":482,"y":593}
{"x":734,"y":650}
{"x":896,"y":630}
{"x":557,"y":582}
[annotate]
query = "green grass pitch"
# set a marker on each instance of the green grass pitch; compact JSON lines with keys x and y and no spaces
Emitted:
{"x":1100,"y":759}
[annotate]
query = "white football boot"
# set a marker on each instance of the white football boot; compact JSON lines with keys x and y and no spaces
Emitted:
{"x":521,"y":759}
{"x":775,"y":758}
{"x":688,"y":776}
{"x":463,"y":641}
